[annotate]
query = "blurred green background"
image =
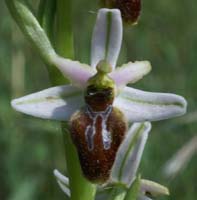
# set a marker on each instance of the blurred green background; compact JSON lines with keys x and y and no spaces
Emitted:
{"x":31,"y":148}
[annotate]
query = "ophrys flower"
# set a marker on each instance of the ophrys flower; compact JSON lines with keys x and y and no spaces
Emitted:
{"x":97,"y":95}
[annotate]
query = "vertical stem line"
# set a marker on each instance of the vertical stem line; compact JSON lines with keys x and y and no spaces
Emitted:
{"x":81,"y":189}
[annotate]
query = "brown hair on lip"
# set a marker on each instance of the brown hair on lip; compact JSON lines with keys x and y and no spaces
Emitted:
{"x":96,"y":163}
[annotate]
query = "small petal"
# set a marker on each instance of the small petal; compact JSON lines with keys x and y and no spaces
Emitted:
{"x":152,"y":188}
{"x":107,"y":37}
{"x":130,"y":153}
{"x":130,"y":72}
{"x":139,"y":105}
{"x":75,"y":71}
{"x":63,"y":182}
{"x":57,"y":103}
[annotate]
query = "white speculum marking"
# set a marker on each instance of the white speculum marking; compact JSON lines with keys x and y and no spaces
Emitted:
{"x":91,"y":129}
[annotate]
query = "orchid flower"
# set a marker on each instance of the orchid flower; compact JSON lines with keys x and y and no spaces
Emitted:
{"x":127,"y":105}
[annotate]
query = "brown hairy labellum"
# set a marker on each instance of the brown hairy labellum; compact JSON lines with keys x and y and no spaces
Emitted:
{"x":97,"y":136}
{"x":130,"y":9}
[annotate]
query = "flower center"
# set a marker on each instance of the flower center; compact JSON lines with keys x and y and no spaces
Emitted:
{"x":99,"y":99}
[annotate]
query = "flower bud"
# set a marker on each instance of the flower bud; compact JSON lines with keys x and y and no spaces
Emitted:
{"x":130,"y":9}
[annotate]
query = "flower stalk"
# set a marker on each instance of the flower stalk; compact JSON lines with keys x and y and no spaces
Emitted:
{"x":118,"y":193}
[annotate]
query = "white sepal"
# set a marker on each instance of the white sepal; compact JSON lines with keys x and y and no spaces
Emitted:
{"x":62,"y":181}
{"x":57,"y":103}
{"x":107,"y":37}
{"x":130,"y":72}
{"x":139,"y":105}
{"x":78,"y":73}
{"x":129,"y":154}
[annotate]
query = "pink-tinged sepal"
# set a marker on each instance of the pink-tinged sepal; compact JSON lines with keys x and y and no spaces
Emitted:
{"x":130,"y":73}
{"x":78,"y":73}
{"x":56,"y":103}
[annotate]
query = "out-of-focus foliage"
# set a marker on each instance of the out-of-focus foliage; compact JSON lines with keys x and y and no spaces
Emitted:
{"x":30,"y":148}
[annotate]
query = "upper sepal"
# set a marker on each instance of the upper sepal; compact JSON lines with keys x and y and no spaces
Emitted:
{"x":107,"y":37}
{"x":57,"y":103}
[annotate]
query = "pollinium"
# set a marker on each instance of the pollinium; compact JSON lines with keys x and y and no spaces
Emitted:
{"x":98,"y":129}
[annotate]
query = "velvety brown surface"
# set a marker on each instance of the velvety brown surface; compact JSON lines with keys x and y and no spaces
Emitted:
{"x":104,"y":96}
{"x":97,"y":163}
{"x":130,"y":9}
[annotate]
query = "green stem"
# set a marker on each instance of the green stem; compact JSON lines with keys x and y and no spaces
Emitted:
{"x":117,"y":193}
{"x":133,"y":191}
{"x":80,"y":187}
